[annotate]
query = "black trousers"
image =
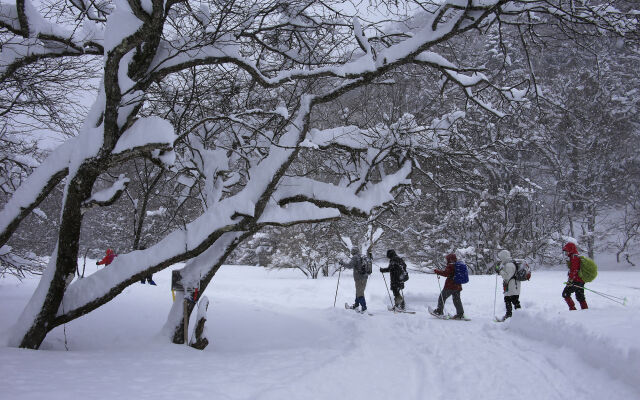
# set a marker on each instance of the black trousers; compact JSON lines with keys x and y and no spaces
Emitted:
{"x":575,"y":287}
{"x":510,"y":301}
{"x":397,"y":297}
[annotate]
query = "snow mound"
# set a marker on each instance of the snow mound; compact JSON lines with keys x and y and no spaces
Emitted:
{"x":619,"y":360}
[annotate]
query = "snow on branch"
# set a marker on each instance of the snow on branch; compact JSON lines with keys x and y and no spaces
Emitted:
{"x":296,"y":213}
{"x":19,"y":265}
{"x":604,"y":16}
{"x":35,"y":188}
{"x":173,"y":57}
{"x":345,"y":199}
{"x":350,"y":137}
{"x":109,"y":195}
{"x":149,"y":133}
{"x":454,"y":74}
{"x":95,"y":11}
{"x":36,"y":37}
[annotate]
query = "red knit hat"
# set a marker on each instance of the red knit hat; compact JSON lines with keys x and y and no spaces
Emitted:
{"x":451,"y":258}
{"x":570,"y":248}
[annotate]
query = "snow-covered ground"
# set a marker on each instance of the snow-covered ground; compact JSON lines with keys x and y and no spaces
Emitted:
{"x":276,"y":335}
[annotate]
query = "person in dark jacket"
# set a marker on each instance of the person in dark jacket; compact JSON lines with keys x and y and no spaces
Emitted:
{"x":451,"y":288}
{"x":108,"y":258}
{"x":575,"y":284}
{"x":360,"y":276}
{"x":396,"y":269}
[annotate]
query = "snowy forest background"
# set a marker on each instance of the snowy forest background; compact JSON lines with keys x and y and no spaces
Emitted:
{"x":260,"y":132}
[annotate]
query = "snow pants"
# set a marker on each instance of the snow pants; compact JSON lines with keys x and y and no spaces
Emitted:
{"x":398,"y":299}
{"x":444,"y":295}
{"x":511,"y":301}
{"x":577,"y":288}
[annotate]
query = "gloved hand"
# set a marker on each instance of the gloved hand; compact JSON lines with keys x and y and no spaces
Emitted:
{"x":97,"y":262}
{"x":380,"y":269}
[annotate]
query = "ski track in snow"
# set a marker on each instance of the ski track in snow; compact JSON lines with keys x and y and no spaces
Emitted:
{"x":275,"y":335}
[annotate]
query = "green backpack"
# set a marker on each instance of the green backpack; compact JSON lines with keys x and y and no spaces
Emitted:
{"x":588,"y":269}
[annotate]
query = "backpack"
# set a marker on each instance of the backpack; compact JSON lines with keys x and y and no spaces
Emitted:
{"x":460,"y":273}
{"x":588,"y":269}
{"x":522,"y":273}
{"x":368,"y":265}
{"x":404,"y":275}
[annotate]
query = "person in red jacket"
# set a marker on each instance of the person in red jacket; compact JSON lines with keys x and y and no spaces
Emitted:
{"x":450,"y":288}
{"x":108,"y":258}
{"x":575,"y":284}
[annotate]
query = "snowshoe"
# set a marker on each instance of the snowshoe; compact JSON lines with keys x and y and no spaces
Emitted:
{"x":435,"y":314}
{"x":400,"y":310}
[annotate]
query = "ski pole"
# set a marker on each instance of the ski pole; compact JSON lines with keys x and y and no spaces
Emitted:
{"x":495,"y":297}
{"x":385,"y":285}
{"x":441,"y":298}
{"x":619,"y":300}
{"x":595,"y":291}
{"x":622,"y":301}
{"x":337,"y":285}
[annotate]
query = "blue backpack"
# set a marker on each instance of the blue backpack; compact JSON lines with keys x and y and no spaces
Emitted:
{"x":460,"y":273}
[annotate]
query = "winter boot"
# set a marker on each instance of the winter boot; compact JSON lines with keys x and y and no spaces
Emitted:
{"x":583,"y":305}
{"x":142,"y":281}
{"x":151,"y":282}
{"x":570,"y":303}
{"x":509,"y":309}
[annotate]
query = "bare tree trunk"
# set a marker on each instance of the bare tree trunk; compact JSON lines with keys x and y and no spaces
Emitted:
{"x":212,"y":259}
{"x":200,"y":341}
{"x":66,"y":258}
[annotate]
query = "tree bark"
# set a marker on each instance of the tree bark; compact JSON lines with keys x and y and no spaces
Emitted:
{"x":78,"y":190}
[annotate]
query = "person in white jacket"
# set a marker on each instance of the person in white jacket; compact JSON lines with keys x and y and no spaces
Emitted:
{"x":511,"y":286}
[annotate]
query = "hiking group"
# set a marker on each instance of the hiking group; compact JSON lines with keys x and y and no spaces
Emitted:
{"x":513,"y":273}
{"x":581,"y":270}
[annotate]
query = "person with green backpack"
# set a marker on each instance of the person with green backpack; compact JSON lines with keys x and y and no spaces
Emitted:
{"x":575,"y":284}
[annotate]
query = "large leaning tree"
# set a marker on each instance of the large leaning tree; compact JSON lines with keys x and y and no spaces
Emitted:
{"x":269,"y":64}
